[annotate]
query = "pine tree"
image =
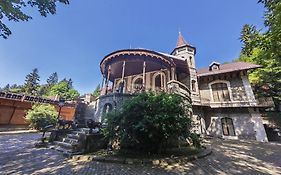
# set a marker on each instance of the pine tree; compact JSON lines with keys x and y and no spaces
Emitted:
{"x":53,"y":79}
{"x":6,"y":88}
{"x":70,"y":82}
{"x":32,"y":82}
{"x":96,"y":92}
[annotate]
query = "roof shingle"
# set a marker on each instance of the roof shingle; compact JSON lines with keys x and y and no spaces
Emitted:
{"x":229,"y":67}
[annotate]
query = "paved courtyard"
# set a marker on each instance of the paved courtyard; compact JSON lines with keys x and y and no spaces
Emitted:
{"x":18,"y":156}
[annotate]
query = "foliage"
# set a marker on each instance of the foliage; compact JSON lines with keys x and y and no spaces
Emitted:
{"x":13,"y":10}
{"x":148,"y":122}
{"x":96,"y":92}
{"x":264,"y":48}
{"x":53,"y":79}
{"x":274,"y":117}
{"x":63,"y":90}
{"x":6,"y":88}
{"x":41,"y":116}
{"x":32,"y":82}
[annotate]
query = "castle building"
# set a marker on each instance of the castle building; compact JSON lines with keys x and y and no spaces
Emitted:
{"x":223,"y":102}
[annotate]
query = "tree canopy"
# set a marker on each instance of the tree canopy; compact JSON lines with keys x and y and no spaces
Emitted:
{"x":41,"y":116}
{"x":263,"y":47}
{"x":149,"y":121}
{"x":31,"y":82}
{"x":14,"y":10}
{"x":63,"y":90}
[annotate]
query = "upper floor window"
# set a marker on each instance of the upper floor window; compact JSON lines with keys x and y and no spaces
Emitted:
{"x":220,"y":92}
{"x":193,"y":85}
{"x":190,"y":60}
{"x":214,"y":66}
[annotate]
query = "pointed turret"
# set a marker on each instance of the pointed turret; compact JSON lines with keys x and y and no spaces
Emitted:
{"x":181,"y":41}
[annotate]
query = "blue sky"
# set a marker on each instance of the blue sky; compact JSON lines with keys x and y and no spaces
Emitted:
{"x":74,"y":41}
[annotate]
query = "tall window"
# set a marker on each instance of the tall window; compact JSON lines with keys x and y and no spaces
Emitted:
{"x":138,"y":84}
{"x":190,"y":60}
{"x":227,"y":127}
{"x":193,"y":87}
{"x":158,"y":83}
{"x":220,"y":92}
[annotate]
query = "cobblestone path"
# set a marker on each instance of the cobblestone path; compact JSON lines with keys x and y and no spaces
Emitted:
{"x":18,"y":156}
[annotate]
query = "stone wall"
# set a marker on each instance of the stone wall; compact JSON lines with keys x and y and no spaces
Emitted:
{"x":115,"y":100}
{"x":240,"y":89}
{"x":247,"y":123}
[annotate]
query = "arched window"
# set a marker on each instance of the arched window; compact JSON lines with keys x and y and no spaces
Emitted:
{"x":121,"y":86}
{"x":193,"y":85}
{"x":227,"y":126}
{"x":137,"y":84}
{"x":190,"y":60}
{"x":159,"y":81}
{"x":220,"y":92}
{"x":107,"y":108}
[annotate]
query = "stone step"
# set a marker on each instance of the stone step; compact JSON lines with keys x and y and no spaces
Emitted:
{"x":70,"y":140}
{"x":67,"y":145}
{"x":73,"y":136}
{"x":77,"y":132}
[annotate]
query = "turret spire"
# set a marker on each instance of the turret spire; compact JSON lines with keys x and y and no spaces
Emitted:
{"x":181,"y":41}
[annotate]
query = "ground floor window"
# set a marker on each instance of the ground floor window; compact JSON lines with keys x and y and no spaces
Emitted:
{"x":227,"y":126}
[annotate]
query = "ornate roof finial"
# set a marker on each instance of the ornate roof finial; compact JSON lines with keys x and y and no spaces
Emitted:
{"x":181,"y":41}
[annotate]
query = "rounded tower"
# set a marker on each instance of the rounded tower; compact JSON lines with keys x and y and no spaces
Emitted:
{"x":187,"y":52}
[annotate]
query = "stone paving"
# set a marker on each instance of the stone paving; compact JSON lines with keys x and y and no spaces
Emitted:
{"x":18,"y":156}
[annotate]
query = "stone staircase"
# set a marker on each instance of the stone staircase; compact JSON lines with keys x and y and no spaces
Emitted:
{"x":73,"y":143}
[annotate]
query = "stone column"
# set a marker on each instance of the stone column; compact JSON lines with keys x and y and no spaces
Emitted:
{"x":173,"y":73}
{"x":143,"y":74}
{"x":107,"y":79}
{"x":248,"y":88}
{"x":123,"y":70}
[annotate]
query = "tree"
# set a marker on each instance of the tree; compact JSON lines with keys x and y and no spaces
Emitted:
{"x":148,"y":122}
{"x":6,"y":88}
{"x":53,"y":79}
{"x":41,"y":115}
{"x":16,"y":88}
{"x":32,"y":82}
{"x":70,"y":82}
{"x":13,"y":10}
{"x":264,"y":48}
{"x":62,"y":89}
{"x":96,"y":92}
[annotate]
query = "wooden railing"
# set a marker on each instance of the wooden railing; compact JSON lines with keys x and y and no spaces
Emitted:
{"x":29,"y":98}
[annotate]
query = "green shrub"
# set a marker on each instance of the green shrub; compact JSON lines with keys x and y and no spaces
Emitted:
{"x":41,"y":116}
{"x":148,"y":121}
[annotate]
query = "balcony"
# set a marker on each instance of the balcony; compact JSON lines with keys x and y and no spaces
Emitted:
{"x":178,"y":88}
{"x":260,"y":102}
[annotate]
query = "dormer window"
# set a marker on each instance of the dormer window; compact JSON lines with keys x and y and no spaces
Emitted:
{"x":214,"y":66}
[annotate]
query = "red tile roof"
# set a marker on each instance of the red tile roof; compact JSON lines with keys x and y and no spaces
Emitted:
{"x":181,"y":41}
{"x":229,"y":67}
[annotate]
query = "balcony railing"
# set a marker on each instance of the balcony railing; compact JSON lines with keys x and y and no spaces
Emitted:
{"x":29,"y":98}
{"x":260,"y":102}
{"x":178,"y":88}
